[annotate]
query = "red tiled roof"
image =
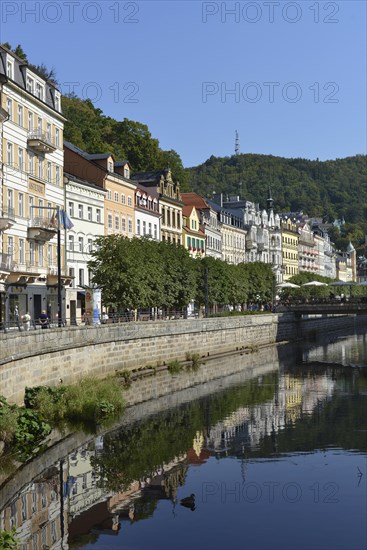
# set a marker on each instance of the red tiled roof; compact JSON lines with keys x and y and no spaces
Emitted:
{"x":193,"y":199}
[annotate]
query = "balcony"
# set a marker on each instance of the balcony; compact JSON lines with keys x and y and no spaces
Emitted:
{"x":23,"y":273}
{"x":4,"y":115}
{"x":52,"y":277}
{"x":42,"y":228}
{"x":250,"y":243}
{"x":40,"y":141}
{"x":6,"y":265}
{"x":7,"y":219}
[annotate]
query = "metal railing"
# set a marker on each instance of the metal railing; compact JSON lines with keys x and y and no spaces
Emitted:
{"x":42,"y":136}
{"x":6,"y":262}
{"x":45,"y":222}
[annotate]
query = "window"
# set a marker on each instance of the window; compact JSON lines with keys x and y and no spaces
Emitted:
{"x":48,"y":170}
{"x":123,"y":198}
{"x":81,"y":244}
{"x":109,"y":194}
{"x":20,"y":204}
{"x":72,"y":274}
{"x":30,"y":206}
{"x":20,"y":115}
{"x":57,"y":102}
{"x":57,"y":179}
{"x":168,"y":216}
{"x":20,"y":159}
{"x":31,"y":163}
{"x":9,"y":108}
{"x":57,"y":137}
{"x":49,"y":254}
{"x":21,"y":251}
{"x":80,"y":211}
{"x":31,"y":252}
{"x":150,"y":229}
{"x":123,"y":224}
{"x":40,"y":209}
{"x":98,"y":215}
{"x":71,"y":209}
{"x":138,"y":227}
{"x":10,"y":246}
{"x":71,"y":243}
{"x":109,"y":221}
{"x":90,"y":245}
{"x":40,"y":254}
{"x":117,"y":223}
{"x":48,"y":132}
{"x":30,"y":84}
{"x":89,"y":213}
{"x":163,"y":215}
{"x":9,"y":69}
{"x":39,"y":91}
{"x":9,"y":154}
{"x":39,"y":123}
{"x":116,"y":197}
{"x":30,"y":120}
{"x":110,"y":168}
{"x":155,"y":231}
{"x":126,"y":172}
{"x":130,"y":225}
{"x":10,"y":200}
{"x":129,"y":201}
{"x":40,"y":168}
{"x":81,"y":277}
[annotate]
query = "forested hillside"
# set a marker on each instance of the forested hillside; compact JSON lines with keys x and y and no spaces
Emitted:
{"x":332,"y":189}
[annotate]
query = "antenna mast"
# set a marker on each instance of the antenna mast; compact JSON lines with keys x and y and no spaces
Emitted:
{"x":237,"y":144}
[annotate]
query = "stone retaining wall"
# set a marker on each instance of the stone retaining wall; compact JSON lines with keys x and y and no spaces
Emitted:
{"x":47,"y":357}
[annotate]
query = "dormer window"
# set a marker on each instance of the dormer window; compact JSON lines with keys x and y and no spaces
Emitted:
{"x":127,"y":172}
{"x":10,"y":69}
{"x":57,"y":102}
{"x":39,"y":91}
{"x":110,"y":165}
{"x":30,"y":84}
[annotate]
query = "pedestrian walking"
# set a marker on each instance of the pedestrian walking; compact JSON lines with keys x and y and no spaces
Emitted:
{"x":26,"y":321}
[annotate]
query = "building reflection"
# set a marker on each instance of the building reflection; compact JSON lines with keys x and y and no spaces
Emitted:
{"x":69,"y":504}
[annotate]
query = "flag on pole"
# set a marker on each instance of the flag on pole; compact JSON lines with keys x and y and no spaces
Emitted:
{"x":53,"y":220}
{"x":65,"y":220}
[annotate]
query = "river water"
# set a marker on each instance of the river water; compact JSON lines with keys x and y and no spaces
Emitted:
{"x":275,"y":462}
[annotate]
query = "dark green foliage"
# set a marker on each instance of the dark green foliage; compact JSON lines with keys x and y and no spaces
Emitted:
{"x":31,"y":429}
{"x":174,"y":367}
{"x":90,"y":400}
{"x":31,"y":394}
{"x":8,"y":541}
{"x":331,"y":189}
{"x":88,"y":128}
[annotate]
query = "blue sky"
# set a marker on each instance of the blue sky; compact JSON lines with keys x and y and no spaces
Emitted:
{"x":289,"y":76}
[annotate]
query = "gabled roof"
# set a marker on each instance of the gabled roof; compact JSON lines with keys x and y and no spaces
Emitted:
{"x":195,"y":200}
{"x":100,"y":156}
{"x":146,"y":177}
{"x":187,"y":210}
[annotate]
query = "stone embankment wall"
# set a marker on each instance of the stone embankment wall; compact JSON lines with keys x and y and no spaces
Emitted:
{"x":47,"y":357}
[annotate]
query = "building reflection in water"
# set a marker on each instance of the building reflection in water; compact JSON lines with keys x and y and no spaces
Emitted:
{"x":70,"y":503}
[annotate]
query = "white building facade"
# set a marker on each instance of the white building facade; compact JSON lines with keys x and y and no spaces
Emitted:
{"x":85,"y":205}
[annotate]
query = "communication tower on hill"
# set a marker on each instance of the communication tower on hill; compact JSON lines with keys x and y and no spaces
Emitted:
{"x":237,"y":144}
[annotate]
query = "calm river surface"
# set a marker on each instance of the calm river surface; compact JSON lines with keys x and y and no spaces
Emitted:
{"x":277,"y":462}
